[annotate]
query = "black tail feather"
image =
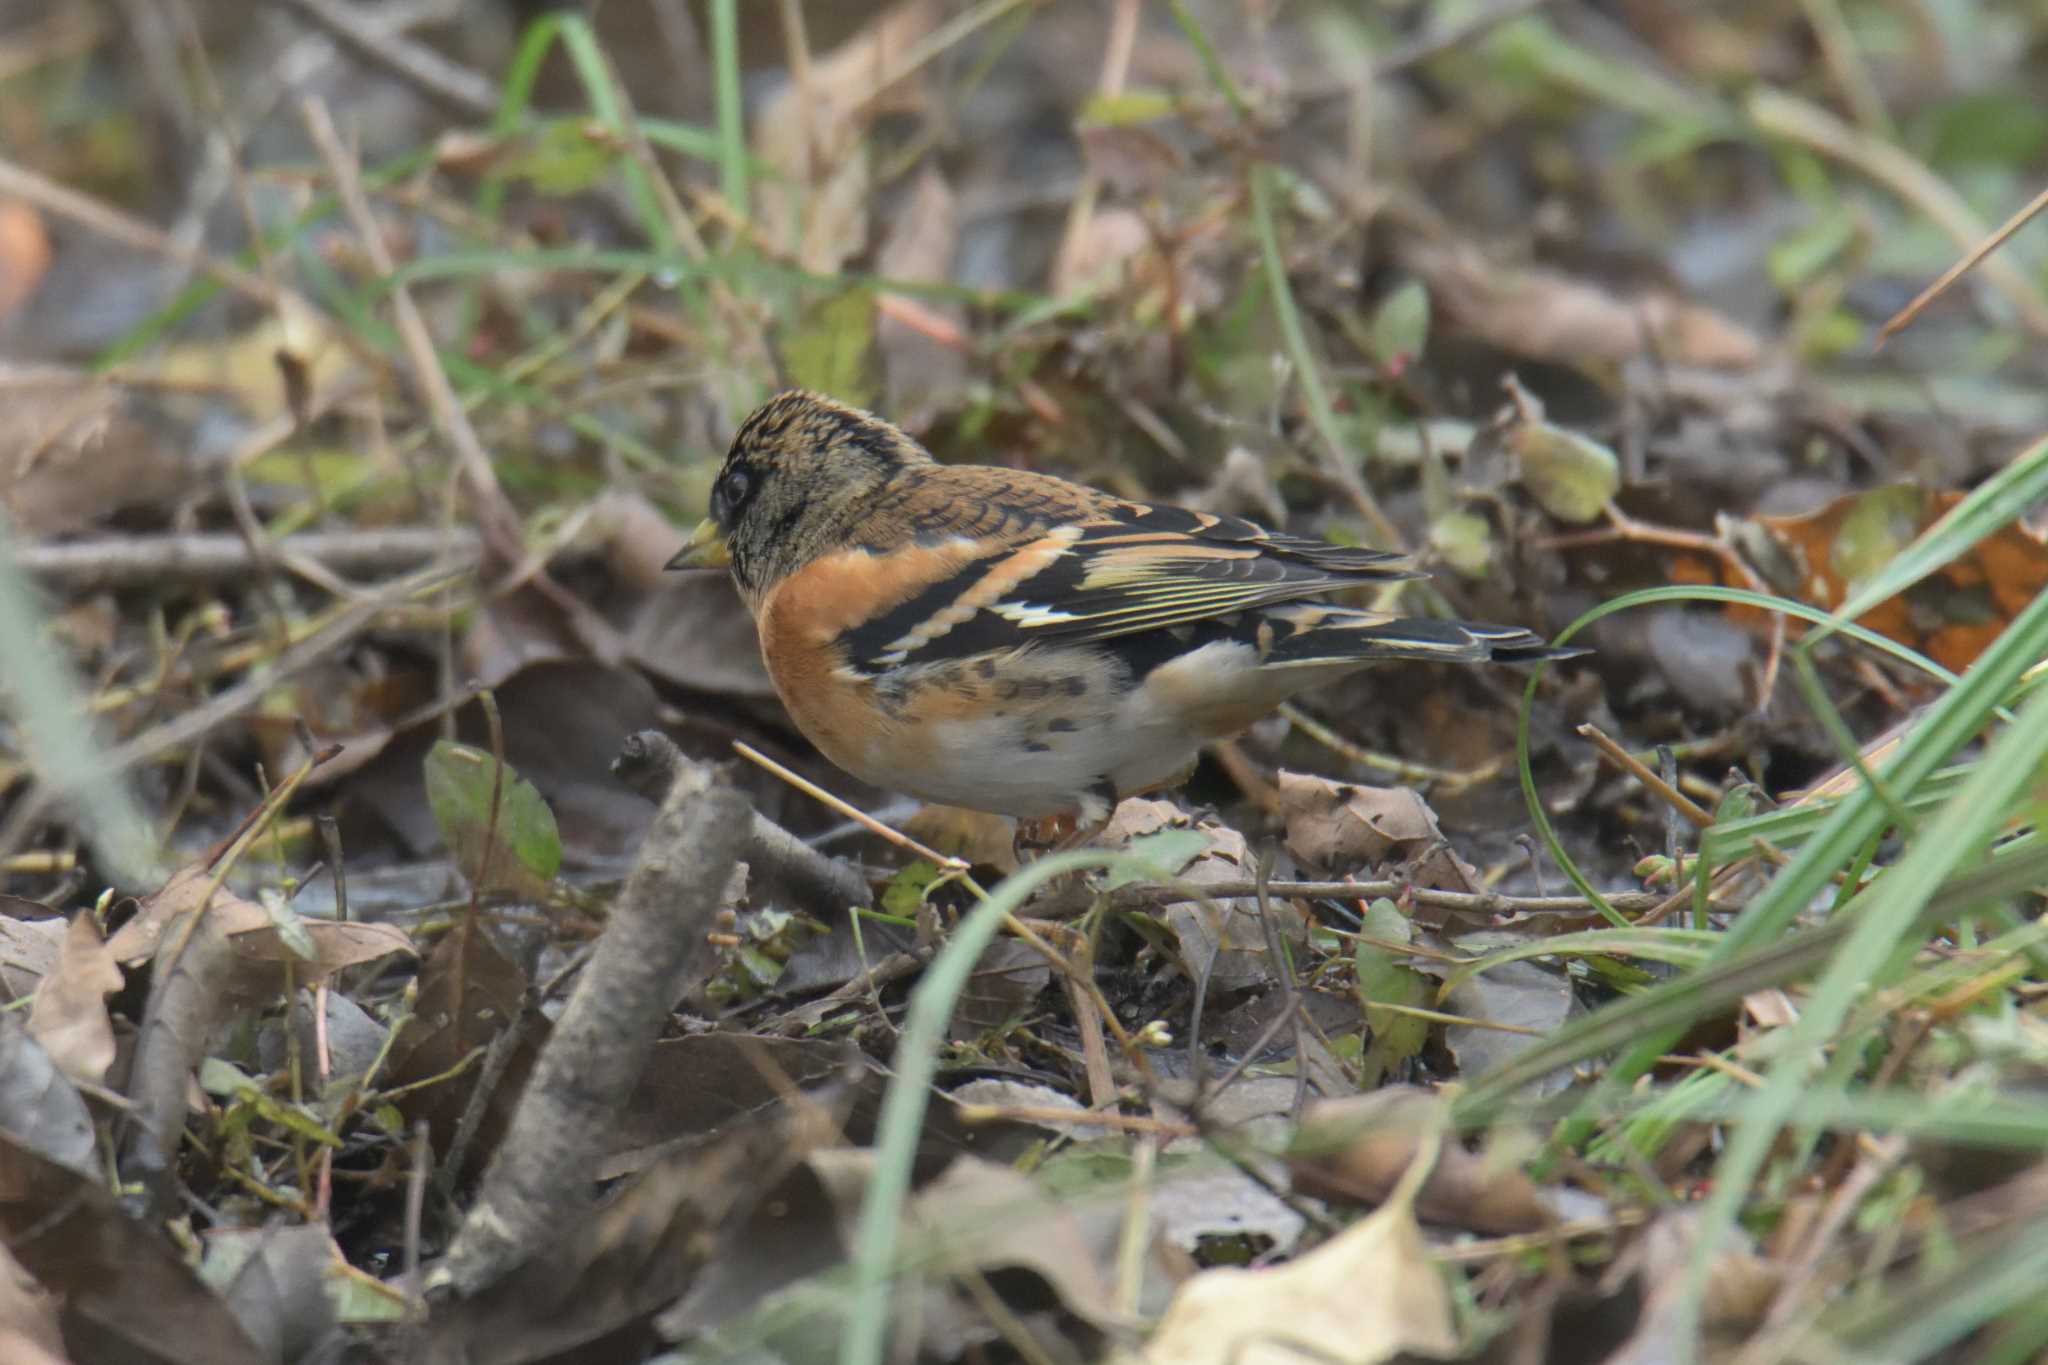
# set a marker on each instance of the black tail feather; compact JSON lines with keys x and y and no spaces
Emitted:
{"x":1338,"y":636}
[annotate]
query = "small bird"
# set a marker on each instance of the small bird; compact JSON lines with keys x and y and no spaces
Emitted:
{"x":1011,"y":642}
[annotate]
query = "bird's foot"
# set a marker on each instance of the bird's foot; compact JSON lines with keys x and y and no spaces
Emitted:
{"x":1068,"y":830}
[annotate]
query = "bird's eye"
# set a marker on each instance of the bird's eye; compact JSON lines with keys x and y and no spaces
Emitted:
{"x":732,"y":491}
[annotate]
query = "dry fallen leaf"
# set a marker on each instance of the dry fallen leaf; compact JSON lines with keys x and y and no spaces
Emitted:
{"x":1950,"y":616}
{"x":28,"y":953}
{"x":1547,"y":315}
{"x":1359,"y":1146}
{"x":75,"y":449}
{"x":1345,"y":828}
{"x":69,"y":1016}
{"x":1368,"y":1294}
{"x":253,"y":935}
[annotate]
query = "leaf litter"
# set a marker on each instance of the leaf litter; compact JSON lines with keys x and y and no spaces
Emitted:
{"x":364,"y":1050}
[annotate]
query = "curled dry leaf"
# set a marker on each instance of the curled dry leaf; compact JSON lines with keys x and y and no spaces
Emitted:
{"x":120,"y":1282}
{"x":253,"y":935}
{"x":30,"y":1333}
{"x":69,"y":1016}
{"x":1532,"y":999}
{"x":334,"y":946}
{"x":696,"y":633}
{"x":1005,"y":981}
{"x":1368,"y":1294}
{"x":1549,"y":316}
{"x":980,"y":1217}
{"x":1823,"y":556}
{"x":1357,"y":1147}
{"x":469,"y":993}
{"x":278,"y":1282}
{"x":981,"y":838}
{"x":1739,"y":1287}
{"x":28,"y":953}
{"x":75,"y":449}
{"x":1346,"y":828}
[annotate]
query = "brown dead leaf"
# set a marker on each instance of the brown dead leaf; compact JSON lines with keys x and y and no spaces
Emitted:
{"x":69,"y":1016}
{"x":1345,"y":828}
{"x":1006,"y":979}
{"x":1357,"y":1147}
{"x":978,"y":1218}
{"x":815,"y":208}
{"x":469,"y":993}
{"x":75,"y":449}
{"x":120,"y":1283}
{"x":335,"y":945}
{"x":1739,"y":1288}
{"x":1951,"y":615}
{"x":1366,"y":1295}
{"x":274,"y":1280}
{"x":29,"y":1331}
{"x":1821,"y":557}
{"x":186,"y":890}
{"x":696,"y":633}
{"x":1550,"y":316}
{"x":28,"y":953}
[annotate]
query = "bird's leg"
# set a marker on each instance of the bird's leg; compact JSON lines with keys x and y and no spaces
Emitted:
{"x":1069,"y":830}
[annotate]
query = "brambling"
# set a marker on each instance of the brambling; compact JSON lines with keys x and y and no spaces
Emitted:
{"x":1011,"y":642}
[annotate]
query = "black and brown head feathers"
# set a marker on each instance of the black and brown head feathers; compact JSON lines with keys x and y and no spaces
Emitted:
{"x":800,"y":469}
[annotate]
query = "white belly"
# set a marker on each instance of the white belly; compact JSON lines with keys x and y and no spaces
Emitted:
{"x":1035,"y":756}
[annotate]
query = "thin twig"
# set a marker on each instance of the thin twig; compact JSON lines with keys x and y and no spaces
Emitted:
{"x":1781,"y":115}
{"x":128,"y":561}
{"x":845,"y":808}
{"x":1955,"y":272}
{"x":373,"y":34}
{"x":1481,"y":903}
{"x":1621,"y":758}
{"x":494,"y":513}
{"x":18,"y":182}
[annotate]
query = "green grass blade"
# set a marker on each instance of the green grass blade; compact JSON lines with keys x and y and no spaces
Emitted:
{"x":1525,"y":768}
{"x":733,"y":163}
{"x":1682,"y":947}
{"x":876,"y":1239}
{"x":1884,"y":916}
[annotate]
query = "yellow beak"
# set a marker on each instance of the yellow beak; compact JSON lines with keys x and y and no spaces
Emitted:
{"x":705,"y":549}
